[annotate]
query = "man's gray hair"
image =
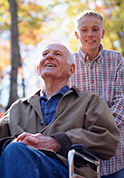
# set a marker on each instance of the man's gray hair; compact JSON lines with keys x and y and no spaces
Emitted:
{"x":70,"y":57}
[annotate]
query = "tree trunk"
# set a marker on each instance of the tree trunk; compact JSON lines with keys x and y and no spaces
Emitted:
{"x":15,"y":55}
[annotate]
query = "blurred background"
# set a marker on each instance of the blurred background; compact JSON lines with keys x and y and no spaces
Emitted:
{"x":26,"y":26}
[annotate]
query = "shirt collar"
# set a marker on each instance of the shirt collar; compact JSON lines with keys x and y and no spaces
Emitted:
{"x":62,"y":91}
{"x":84,"y":56}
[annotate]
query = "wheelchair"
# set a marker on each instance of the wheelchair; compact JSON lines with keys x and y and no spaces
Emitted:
{"x":80,"y":155}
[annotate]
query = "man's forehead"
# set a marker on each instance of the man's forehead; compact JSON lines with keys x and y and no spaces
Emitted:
{"x":94,"y":21}
{"x":55,"y":47}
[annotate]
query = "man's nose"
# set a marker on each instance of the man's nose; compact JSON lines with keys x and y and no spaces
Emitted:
{"x":50,"y":55}
{"x":90,"y":34}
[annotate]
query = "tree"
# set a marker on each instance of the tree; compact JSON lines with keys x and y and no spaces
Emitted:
{"x":39,"y":20}
{"x":15,"y":59}
{"x":21,"y":26}
{"x":113,"y":14}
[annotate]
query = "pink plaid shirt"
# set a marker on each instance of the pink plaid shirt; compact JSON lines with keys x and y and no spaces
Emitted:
{"x":105,"y":76}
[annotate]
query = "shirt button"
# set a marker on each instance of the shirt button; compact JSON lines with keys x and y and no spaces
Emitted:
{"x":92,"y":81}
{"x":91,"y":67}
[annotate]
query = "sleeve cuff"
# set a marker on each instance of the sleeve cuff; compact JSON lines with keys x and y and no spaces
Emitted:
{"x":64,"y":141}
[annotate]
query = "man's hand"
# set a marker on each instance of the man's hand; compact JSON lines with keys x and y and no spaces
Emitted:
{"x":38,"y":141}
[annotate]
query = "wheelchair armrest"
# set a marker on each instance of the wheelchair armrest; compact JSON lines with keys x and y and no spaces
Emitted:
{"x":85,"y":151}
{"x":81,"y":156}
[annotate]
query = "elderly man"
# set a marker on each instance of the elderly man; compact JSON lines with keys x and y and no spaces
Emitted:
{"x":49,"y":122}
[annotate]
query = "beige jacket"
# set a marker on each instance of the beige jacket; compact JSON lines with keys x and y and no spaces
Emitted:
{"x":81,"y":118}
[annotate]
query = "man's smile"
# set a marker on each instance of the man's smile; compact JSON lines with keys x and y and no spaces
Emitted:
{"x":50,"y":65}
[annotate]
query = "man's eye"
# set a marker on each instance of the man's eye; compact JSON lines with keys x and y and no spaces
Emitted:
{"x":58,"y":54}
{"x":44,"y":54}
{"x":95,"y":29}
{"x":83,"y":30}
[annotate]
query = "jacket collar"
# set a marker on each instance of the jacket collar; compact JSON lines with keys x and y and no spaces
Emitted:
{"x":35,"y":102}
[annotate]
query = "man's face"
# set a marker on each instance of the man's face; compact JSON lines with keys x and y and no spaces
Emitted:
{"x":90,"y":32}
{"x":54,"y":63}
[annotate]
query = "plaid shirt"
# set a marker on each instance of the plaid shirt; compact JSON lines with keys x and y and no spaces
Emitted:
{"x":105,"y":76}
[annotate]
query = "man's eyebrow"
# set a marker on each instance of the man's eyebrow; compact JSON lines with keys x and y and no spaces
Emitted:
{"x":85,"y":26}
{"x":95,"y":25}
{"x":56,"y":50}
{"x":45,"y":51}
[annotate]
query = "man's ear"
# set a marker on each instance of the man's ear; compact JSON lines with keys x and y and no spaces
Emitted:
{"x":72,"y":69}
{"x":103,"y":33}
{"x":37,"y":69}
{"x":76,"y":34}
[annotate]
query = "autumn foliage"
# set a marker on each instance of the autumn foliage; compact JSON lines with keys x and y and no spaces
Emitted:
{"x":46,"y":21}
